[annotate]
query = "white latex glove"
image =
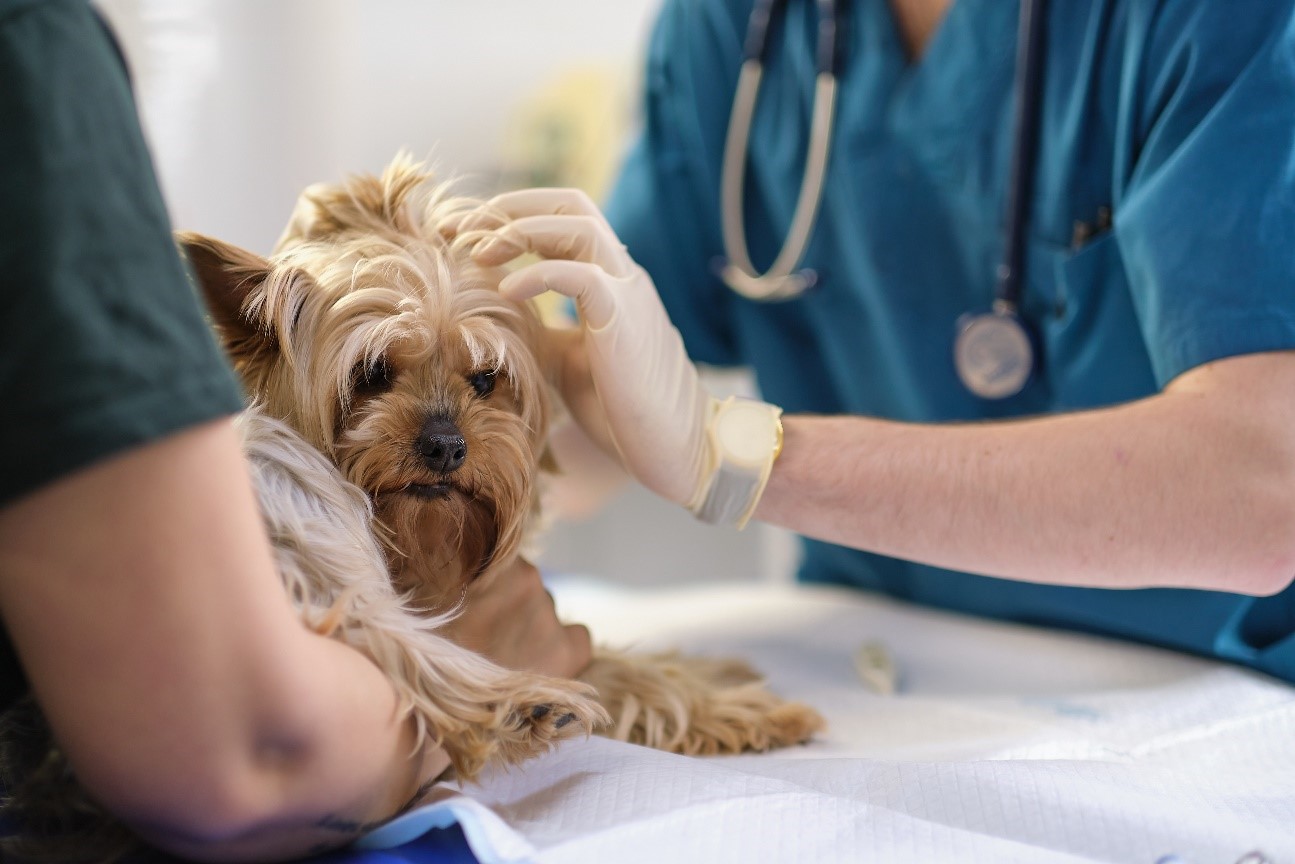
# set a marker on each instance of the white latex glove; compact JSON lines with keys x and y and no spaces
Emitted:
{"x":656,"y":407}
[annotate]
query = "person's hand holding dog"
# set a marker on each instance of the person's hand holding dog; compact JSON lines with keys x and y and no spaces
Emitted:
{"x":509,"y":617}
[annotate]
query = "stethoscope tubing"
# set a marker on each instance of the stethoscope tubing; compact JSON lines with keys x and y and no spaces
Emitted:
{"x":779,"y":281}
{"x":1028,"y":99}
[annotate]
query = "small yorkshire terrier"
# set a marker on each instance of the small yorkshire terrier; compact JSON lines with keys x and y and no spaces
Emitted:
{"x":372,"y":333}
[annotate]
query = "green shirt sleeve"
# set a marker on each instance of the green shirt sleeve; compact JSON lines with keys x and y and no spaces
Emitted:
{"x":105,"y":346}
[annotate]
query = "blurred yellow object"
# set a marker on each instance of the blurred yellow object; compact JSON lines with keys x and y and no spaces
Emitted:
{"x":571,"y":132}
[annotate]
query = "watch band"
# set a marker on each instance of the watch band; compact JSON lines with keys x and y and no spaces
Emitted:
{"x":745,"y":438}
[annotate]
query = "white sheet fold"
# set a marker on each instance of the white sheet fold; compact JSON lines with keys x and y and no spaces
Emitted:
{"x":1002,"y":744}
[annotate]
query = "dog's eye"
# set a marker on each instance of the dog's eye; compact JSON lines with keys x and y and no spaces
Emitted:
{"x":373,"y":378}
{"x":483,"y":382}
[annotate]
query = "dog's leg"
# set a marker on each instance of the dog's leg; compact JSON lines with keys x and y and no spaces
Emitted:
{"x":335,"y":573}
{"x":695,"y":706}
{"x":481,"y":713}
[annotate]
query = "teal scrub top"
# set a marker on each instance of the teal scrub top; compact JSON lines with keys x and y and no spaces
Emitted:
{"x":1177,"y":118}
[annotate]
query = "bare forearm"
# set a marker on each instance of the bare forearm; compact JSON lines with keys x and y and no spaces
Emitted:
{"x":1188,"y":488}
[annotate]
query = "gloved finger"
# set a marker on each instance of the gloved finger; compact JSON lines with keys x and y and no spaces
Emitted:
{"x":480,"y":218}
{"x":518,"y":205}
{"x":544,"y":201}
{"x":573,"y":238}
{"x":585,"y":283}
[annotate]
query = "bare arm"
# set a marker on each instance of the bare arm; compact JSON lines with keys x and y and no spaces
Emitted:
{"x":1193,"y":487}
{"x":143,"y":600}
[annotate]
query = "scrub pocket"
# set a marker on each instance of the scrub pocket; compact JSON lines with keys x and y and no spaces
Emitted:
{"x":1094,"y":347}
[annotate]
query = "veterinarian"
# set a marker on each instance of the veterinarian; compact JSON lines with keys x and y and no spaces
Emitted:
{"x":138,"y":598}
{"x":1033,"y":356}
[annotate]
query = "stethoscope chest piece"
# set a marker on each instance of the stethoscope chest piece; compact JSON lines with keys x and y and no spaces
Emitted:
{"x":992,"y":351}
{"x":993,"y":354}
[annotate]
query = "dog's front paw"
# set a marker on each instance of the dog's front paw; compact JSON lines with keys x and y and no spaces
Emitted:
{"x":696,"y":706}
{"x":548,"y":714}
{"x":531,"y":715}
{"x":781,"y":725}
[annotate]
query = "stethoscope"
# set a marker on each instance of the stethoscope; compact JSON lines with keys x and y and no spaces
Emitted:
{"x":993,"y":351}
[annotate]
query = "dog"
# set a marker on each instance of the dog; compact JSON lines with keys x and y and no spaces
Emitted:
{"x":372,"y":334}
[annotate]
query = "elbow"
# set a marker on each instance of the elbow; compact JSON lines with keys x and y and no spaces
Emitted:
{"x":1240,"y":538}
{"x":1275,"y":571}
{"x":1272,"y":573}
{"x":1267,"y":581}
{"x":1266,"y":564}
{"x":228,"y":820}
{"x":208,"y":807}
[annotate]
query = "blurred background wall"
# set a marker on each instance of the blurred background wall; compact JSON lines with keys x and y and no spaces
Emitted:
{"x":245,"y":102}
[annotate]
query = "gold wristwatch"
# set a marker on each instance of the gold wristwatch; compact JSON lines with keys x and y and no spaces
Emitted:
{"x":745,"y":438}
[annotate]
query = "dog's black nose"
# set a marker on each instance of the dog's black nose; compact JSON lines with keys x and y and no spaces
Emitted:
{"x":442,"y":446}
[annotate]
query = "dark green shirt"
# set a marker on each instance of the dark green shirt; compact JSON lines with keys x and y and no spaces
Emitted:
{"x":103,"y":344}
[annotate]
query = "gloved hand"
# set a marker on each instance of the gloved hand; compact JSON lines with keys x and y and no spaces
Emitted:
{"x":657,"y":410}
{"x":655,"y":405}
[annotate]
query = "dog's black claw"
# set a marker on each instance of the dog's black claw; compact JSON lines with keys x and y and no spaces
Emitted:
{"x":564,"y":720}
{"x":539,"y":712}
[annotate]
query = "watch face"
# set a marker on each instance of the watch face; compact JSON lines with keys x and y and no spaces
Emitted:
{"x":992,"y":355}
{"x":747,"y":432}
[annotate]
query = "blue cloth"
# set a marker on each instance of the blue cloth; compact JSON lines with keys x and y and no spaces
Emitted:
{"x":436,"y":846}
{"x":1177,"y":116}
{"x":446,"y":845}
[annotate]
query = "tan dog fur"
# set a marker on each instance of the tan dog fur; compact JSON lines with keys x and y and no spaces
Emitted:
{"x":366,"y":322}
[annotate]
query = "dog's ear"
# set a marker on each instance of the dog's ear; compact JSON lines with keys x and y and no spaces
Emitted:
{"x":228,"y":276}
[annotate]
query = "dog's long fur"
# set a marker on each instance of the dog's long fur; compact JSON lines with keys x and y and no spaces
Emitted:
{"x":335,"y":571}
{"x":365,"y":277}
